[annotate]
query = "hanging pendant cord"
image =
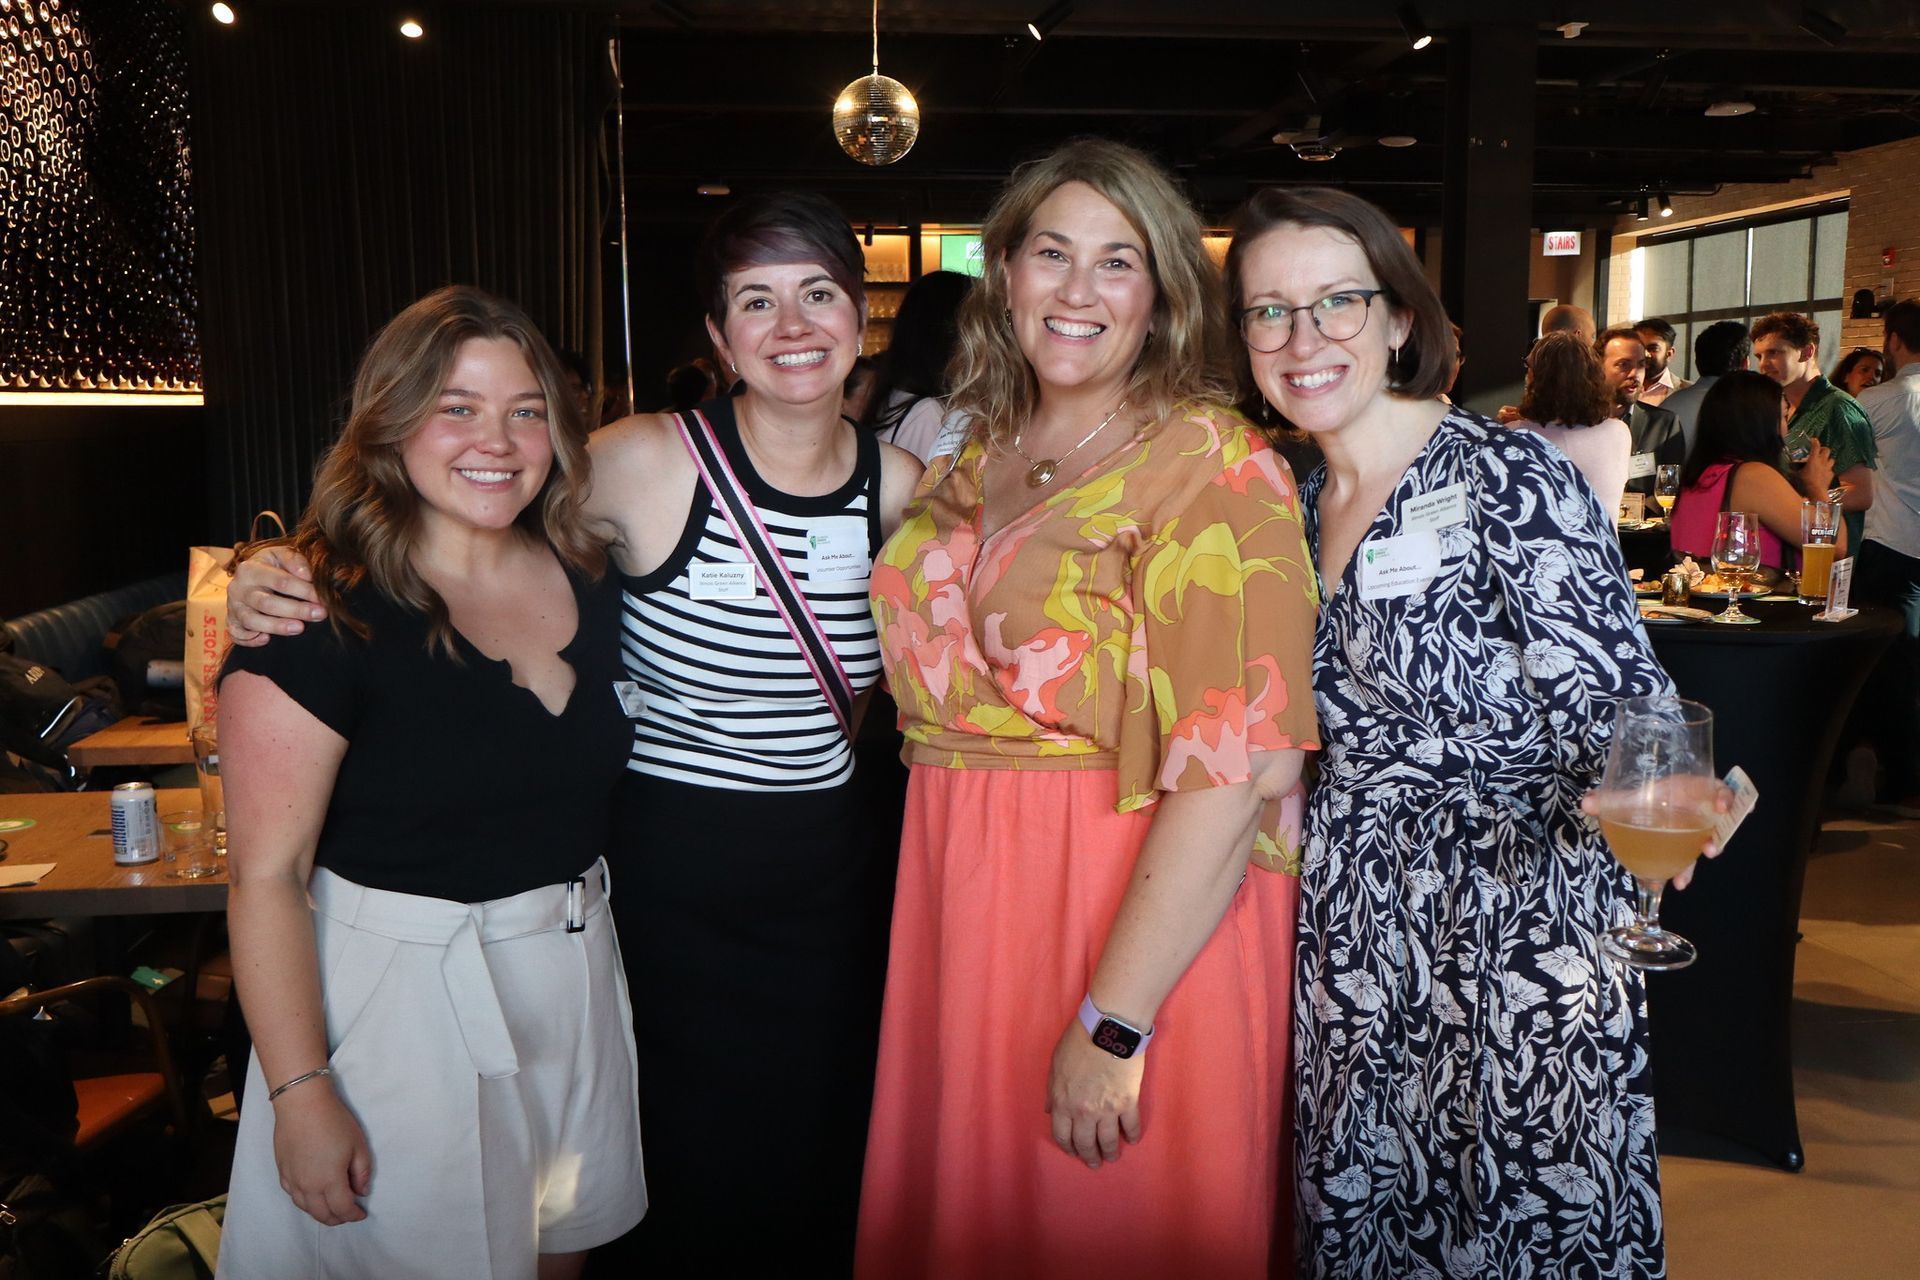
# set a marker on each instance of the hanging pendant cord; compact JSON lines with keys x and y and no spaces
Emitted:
{"x":876,"y":37}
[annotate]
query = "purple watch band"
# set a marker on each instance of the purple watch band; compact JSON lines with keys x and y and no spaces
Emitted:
{"x":1121,"y":1039}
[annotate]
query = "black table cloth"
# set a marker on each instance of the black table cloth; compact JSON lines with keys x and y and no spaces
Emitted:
{"x":1780,"y":691}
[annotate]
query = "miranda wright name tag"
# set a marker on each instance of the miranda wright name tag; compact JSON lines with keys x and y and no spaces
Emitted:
{"x":1435,"y":510}
{"x":729,"y":581}
{"x":1401,"y":566}
{"x":1639,"y":466}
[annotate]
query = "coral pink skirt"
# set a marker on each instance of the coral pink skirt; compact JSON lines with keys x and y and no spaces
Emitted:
{"x":1008,"y":883}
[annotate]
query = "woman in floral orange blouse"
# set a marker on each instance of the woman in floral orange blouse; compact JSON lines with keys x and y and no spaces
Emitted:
{"x":1097,"y":619}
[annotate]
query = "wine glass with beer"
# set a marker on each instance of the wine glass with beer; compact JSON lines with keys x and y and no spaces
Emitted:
{"x":1656,"y":808}
{"x":1736,"y":553}
{"x":1666,"y":486}
{"x":1819,"y":539}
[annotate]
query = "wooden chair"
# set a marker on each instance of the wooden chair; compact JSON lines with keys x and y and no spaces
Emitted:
{"x":110,"y":1101}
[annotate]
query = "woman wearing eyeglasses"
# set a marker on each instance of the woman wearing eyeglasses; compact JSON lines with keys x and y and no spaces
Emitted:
{"x":1471,"y":1089}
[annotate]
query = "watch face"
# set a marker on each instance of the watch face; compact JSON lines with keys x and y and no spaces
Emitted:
{"x":1116,"y":1038}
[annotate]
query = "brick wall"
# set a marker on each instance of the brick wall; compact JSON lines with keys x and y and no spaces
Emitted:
{"x":1883,"y":184}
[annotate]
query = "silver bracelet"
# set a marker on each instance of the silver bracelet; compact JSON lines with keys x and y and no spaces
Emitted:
{"x":315,"y":1074}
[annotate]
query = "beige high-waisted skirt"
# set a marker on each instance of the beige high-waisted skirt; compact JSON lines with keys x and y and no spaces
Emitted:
{"x":487,"y":1051}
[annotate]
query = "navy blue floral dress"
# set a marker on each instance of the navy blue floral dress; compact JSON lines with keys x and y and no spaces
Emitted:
{"x":1474,"y":1096}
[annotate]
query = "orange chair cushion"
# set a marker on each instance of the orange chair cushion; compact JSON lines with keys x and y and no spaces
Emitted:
{"x":107,"y":1102}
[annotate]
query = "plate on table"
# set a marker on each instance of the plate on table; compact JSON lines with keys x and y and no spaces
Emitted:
{"x":1640,"y":526}
{"x":1714,"y":587}
{"x":1671,"y":615}
{"x":1647,"y":588}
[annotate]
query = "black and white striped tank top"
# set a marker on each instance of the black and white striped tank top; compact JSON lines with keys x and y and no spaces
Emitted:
{"x":729,"y":701}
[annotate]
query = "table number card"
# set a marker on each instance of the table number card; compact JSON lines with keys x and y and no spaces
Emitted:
{"x":1838,"y":588}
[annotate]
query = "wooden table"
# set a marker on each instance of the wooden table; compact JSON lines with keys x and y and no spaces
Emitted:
{"x":71,"y":829}
{"x":134,"y":740}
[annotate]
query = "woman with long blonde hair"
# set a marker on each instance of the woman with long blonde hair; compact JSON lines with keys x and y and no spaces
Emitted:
{"x":419,"y":796}
{"x":1097,"y":619}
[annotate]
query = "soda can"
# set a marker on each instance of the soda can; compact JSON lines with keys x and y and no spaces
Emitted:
{"x":136,"y":825}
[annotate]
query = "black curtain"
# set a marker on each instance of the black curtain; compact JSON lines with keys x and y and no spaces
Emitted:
{"x":341,"y":171}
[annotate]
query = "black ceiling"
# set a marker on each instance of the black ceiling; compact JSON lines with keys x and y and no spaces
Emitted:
{"x":739,"y":92}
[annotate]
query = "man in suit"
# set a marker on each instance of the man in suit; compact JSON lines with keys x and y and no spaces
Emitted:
{"x":1657,"y":438}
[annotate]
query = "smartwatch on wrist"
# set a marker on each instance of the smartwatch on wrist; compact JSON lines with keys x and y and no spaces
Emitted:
{"x":1121,"y":1039}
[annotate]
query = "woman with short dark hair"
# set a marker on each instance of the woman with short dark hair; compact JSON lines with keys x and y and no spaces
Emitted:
{"x":1472,"y":1095}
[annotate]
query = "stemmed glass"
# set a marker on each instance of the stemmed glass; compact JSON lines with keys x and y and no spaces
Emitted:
{"x":1656,"y":809}
{"x":1736,"y":553}
{"x":1666,"y":486}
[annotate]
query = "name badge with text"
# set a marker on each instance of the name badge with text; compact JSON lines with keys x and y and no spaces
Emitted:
{"x":1639,"y":466}
{"x":1401,"y":566}
{"x":837,"y":550}
{"x":633,"y":699}
{"x":729,"y":581}
{"x":1435,"y":510}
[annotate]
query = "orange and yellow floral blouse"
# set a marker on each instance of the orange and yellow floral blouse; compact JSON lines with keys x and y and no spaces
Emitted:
{"x":1154,"y":617}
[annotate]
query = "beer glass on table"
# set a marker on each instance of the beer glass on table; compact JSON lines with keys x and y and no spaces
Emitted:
{"x":213,"y":807}
{"x":1819,"y":536}
{"x":1736,"y":553}
{"x":1666,"y":486}
{"x":1656,"y":809}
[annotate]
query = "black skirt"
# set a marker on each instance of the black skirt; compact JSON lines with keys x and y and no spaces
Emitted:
{"x":754,"y":930}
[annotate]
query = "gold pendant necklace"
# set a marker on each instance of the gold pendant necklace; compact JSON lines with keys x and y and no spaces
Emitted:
{"x":1041,"y":471}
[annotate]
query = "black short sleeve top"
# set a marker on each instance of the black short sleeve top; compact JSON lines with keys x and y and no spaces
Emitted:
{"x":457,"y":783}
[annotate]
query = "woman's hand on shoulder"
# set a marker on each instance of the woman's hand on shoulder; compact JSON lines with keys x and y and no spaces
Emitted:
{"x":1093,"y":1097}
{"x":322,"y":1153}
{"x":272,"y":594}
{"x":900,"y":474}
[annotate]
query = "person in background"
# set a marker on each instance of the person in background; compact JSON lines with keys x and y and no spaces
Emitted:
{"x":1888,"y":572}
{"x":1718,"y":349}
{"x":908,"y":406}
{"x":1459,"y":362}
{"x":1472,"y":1091}
{"x":1567,"y":402}
{"x":420,"y":794}
{"x":1659,"y":381}
{"x":1859,"y":369}
{"x":1657,"y":439}
{"x":753,"y":903}
{"x":690,"y":384}
{"x":1570,"y":319}
{"x":580,"y":383}
{"x":857,"y":394}
{"x":1737,"y":465}
{"x":1786,"y":345}
{"x":1096,"y":621}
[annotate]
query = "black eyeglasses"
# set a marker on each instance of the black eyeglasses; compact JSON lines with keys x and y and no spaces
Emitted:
{"x":1338,"y":316}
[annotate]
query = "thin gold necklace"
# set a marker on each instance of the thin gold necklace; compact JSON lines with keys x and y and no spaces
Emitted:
{"x":1040,"y":471}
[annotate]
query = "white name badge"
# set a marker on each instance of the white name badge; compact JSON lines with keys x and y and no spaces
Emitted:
{"x":1401,"y":566}
{"x":729,"y":581}
{"x":1639,"y":466}
{"x":1435,"y":510}
{"x":837,"y":550}
{"x":633,"y":699}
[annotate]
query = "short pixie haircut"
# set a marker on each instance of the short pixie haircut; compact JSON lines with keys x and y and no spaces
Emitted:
{"x":778,"y":229}
{"x":1424,"y":365}
{"x":1799,"y":330}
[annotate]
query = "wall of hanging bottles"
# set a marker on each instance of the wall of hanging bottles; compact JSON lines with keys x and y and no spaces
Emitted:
{"x":97,"y":286}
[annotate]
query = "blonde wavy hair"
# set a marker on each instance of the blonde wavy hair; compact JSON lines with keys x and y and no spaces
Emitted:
{"x":1188,"y":348}
{"x":363,"y":520}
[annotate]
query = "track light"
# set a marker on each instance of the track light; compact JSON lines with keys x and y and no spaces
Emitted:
{"x":1666,"y":206}
{"x":224,"y":14}
{"x":412,"y":30}
{"x":1640,"y":209}
{"x":1820,"y":26}
{"x":1050,"y":17}
{"x":1417,"y":34}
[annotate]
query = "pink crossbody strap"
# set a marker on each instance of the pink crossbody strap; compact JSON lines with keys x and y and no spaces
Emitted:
{"x":791,"y":603}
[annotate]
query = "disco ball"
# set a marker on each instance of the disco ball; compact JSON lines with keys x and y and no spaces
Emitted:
{"x":876,"y":120}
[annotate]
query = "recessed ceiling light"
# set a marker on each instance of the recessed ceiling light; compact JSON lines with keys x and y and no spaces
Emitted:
{"x":1730,"y":107}
{"x":1397,"y":139}
{"x":223,"y":14}
{"x":412,"y":30}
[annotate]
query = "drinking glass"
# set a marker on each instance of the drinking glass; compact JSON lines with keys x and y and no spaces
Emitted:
{"x":206,"y":761}
{"x":1656,"y":808}
{"x":1819,"y":534}
{"x":186,"y":843}
{"x":1666,"y":486}
{"x":1736,"y":553}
